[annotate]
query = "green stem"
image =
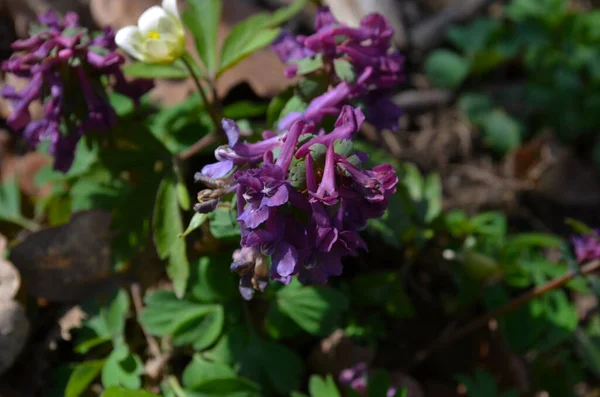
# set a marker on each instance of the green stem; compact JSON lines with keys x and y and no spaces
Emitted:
{"x":25,"y":223}
{"x":177,"y":389}
{"x":189,"y":64}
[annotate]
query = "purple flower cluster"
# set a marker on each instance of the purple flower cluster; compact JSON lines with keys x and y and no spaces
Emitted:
{"x":587,"y":247}
{"x":66,"y":68}
{"x":301,"y":198}
{"x":357,"y":378}
{"x":359,"y":63}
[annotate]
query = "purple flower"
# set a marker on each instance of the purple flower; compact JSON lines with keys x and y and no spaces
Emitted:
{"x":327,"y":191}
{"x":264,"y":187}
{"x":587,"y":247}
{"x":301,"y":200}
{"x":374,"y":185}
{"x":289,"y":49}
{"x":324,"y":18}
{"x":366,"y":49}
{"x":347,"y":124}
{"x":64,"y":62}
{"x":357,"y":379}
{"x":267,"y":187}
{"x":237,"y":153}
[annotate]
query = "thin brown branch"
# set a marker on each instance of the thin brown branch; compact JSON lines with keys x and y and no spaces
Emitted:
{"x":204,"y":142}
{"x":513,"y":305}
{"x":136,"y":295}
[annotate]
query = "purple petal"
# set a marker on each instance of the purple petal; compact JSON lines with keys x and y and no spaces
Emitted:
{"x":253,"y":217}
{"x":285,"y":260}
{"x":289,"y":147}
{"x":232,"y":131}
{"x":286,"y":122}
{"x":217,"y":170}
{"x":279,"y":198}
{"x":348,"y":123}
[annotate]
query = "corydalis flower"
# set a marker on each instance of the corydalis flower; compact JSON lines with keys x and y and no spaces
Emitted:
{"x":587,"y":247}
{"x":159,"y":36}
{"x":357,"y":379}
{"x":63,"y":62}
{"x":301,"y":199}
{"x":359,"y":63}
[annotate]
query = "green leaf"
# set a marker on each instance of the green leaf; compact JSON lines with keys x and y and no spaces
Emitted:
{"x":183,"y":196}
{"x":154,"y":71}
{"x":122,"y":369}
{"x":309,"y":64}
{"x":263,"y":361}
{"x":317,"y":310}
{"x":541,"y":240}
{"x":344,"y":70}
{"x":244,"y":109}
{"x":446,"y":69}
{"x":196,"y":221}
{"x":189,"y":323}
{"x":167,"y":226}
{"x":244,"y":39}
{"x":282,"y":366}
{"x":201,"y":331}
{"x":474,"y":36}
{"x":546,"y":10}
{"x":226,"y":387}
{"x":223,"y":222}
{"x":105,"y":322}
{"x":117,"y":391}
{"x":580,"y":227}
{"x":180,"y":126}
{"x":475,"y":106}
{"x":276,"y":105}
{"x":202,"y":19}
{"x":501,"y":132}
{"x":320,"y":387}
{"x":178,"y":267}
{"x":213,"y":281}
{"x":10,"y":200}
{"x":200,"y":370}
{"x":166,"y":221}
{"x":279,"y":326}
{"x":284,"y":14}
{"x":294,"y":104}
{"x":432,"y":193}
{"x":83,"y":375}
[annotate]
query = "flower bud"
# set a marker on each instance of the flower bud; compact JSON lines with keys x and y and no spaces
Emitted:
{"x":159,"y":36}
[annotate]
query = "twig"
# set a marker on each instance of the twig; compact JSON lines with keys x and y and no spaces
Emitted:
{"x":509,"y":307}
{"x":419,"y":100}
{"x":200,"y":145}
{"x":136,"y":295}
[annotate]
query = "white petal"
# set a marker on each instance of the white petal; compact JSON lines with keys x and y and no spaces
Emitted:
{"x":157,"y":50}
{"x":151,"y":19}
{"x":130,"y":39}
{"x":171,"y":7}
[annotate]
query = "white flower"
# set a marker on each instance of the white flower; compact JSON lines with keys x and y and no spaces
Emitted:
{"x":159,"y":36}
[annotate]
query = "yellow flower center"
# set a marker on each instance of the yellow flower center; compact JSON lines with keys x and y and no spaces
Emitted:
{"x":154,"y":35}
